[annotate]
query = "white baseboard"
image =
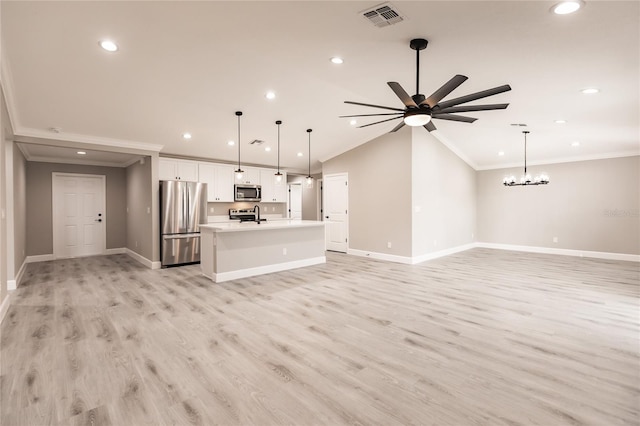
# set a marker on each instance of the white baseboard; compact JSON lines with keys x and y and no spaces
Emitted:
{"x":267,"y":269}
{"x":380,"y":256}
{"x":411,"y":260}
{"x":39,"y":258}
{"x":146,"y":262}
{"x":4,"y":307}
{"x":564,"y":252}
{"x":120,"y":250}
{"x":14,"y":283}
{"x":442,"y":253}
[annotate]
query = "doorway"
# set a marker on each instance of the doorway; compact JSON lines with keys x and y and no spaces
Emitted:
{"x":336,"y":211}
{"x":295,"y":201}
{"x":79,"y":222}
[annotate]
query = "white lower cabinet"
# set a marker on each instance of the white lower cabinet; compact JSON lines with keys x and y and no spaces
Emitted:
{"x":219,"y":180}
{"x":272,"y":190}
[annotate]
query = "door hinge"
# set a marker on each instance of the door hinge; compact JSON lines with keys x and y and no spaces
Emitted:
{"x":345,"y":212}
{"x":345,"y":240}
{"x":346,"y":184}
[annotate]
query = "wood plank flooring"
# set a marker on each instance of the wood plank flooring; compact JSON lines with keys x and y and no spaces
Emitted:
{"x":483,"y":337}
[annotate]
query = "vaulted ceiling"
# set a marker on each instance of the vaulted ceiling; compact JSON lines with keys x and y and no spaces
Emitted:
{"x":188,"y":66}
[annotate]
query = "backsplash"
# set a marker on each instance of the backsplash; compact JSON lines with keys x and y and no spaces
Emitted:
{"x":222,"y":209}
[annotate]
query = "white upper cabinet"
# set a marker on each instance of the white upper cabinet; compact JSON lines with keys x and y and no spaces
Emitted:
{"x":170,"y":169}
{"x":250,"y":176}
{"x":219,"y":180}
{"x":272,"y":190}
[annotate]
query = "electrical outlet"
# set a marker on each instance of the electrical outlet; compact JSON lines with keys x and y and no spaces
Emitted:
{"x":555,"y":239}
{"x":127,"y":210}
{"x":435,"y":243}
{"x":388,"y":244}
{"x":148,"y":210}
{"x":136,"y":243}
{"x":472,"y":235}
{"x":284,"y":251}
{"x":273,"y":209}
{"x":211,"y":209}
{"x":418,"y":209}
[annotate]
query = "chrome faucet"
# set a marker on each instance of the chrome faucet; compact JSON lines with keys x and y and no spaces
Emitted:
{"x":256,"y":209}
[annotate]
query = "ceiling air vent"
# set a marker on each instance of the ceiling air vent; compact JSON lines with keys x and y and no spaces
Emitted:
{"x":383,"y":15}
{"x":256,"y":142}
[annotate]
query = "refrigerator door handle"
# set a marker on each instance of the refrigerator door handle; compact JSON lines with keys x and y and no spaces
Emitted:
{"x":181,"y":236}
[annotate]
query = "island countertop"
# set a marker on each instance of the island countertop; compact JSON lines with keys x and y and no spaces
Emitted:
{"x":221,"y":227}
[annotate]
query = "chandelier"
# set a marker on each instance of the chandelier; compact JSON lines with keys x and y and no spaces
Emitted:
{"x":526,"y":179}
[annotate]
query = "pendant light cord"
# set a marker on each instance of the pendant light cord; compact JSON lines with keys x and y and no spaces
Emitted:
{"x":278,"y":123}
{"x":238,"y":142}
{"x":309,"y":131}
{"x":525,"y":152}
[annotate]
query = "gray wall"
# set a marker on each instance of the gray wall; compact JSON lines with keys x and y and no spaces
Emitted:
{"x":39,"y":215}
{"x":379,"y":193}
{"x":140,"y":200}
{"x":588,"y":205}
{"x":444,"y":189}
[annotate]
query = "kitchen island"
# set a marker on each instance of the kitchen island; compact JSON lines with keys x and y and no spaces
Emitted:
{"x":233,"y":250}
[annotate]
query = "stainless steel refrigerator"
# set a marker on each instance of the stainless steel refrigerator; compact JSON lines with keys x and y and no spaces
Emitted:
{"x":183,"y":208}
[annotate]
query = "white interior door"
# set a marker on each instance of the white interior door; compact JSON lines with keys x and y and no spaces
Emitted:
{"x":295,"y":201}
{"x":336,"y":213}
{"x":79,"y":221}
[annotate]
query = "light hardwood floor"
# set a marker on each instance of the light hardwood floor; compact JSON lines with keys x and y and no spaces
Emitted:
{"x":483,"y":337}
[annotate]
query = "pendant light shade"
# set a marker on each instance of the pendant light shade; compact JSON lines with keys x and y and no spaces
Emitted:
{"x":309,"y":178}
{"x":278,"y":174}
{"x":239,"y":172}
{"x":526,"y":179}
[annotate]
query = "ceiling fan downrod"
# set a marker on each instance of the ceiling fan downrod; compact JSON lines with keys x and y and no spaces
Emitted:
{"x":418,"y":44}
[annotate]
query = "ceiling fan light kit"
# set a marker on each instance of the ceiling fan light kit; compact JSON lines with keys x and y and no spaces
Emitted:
{"x":420,"y":110}
{"x":526,"y":179}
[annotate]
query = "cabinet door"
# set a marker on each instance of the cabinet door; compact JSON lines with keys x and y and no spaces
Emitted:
{"x":168,"y":169}
{"x":188,"y":170}
{"x":224,"y":183}
{"x":207,"y":174}
{"x":251,"y":176}
{"x":267,"y":181}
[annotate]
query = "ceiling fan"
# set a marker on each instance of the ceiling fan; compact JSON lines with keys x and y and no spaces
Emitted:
{"x":419,"y":111}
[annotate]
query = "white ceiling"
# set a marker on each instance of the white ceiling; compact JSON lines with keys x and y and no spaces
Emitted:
{"x":188,"y":66}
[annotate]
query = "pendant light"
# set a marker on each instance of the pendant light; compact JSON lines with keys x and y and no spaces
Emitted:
{"x":309,"y":178}
{"x":239,"y":172}
{"x":278,"y":175}
{"x":541,"y":179}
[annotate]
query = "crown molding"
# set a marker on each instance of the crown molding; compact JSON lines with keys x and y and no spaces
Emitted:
{"x":72,"y":140}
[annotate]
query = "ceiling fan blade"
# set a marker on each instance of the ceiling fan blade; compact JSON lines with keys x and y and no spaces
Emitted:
{"x":469,"y":108}
{"x":402,"y":94}
{"x":378,"y":122}
{"x":454,"y":118}
{"x":374,"y":106}
{"x":369,"y":115}
{"x":398,"y":127}
{"x":446,"y":88}
{"x":474,"y":96}
{"x":430,"y":126}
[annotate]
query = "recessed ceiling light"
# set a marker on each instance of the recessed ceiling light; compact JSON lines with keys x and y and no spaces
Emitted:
{"x":231,"y":143}
{"x":336,"y":60}
{"x":590,"y":90}
{"x":501,"y":153}
{"x":576,"y":143}
{"x":81,"y":153}
{"x":186,"y":135}
{"x":267,"y":148}
{"x":353,"y":122}
{"x":566,"y":7}
{"x":108,"y":45}
{"x":299,"y":154}
{"x":270,"y":95}
{"x":560,"y":121}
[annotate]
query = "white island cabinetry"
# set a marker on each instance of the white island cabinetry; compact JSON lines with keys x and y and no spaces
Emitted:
{"x":231,"y":251}
{"x":219,"y":180}
{"x":272,"y":190}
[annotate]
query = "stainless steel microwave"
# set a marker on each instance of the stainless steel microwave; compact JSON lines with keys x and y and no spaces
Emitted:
{"x":248,"y":192}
